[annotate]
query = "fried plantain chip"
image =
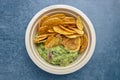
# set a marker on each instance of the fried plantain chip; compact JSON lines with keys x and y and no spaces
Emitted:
{"x":59,"y":30}
{"x":39,"y":38}
{"x":73,"y":36}
{"x":69,"y":19}
{"x":64,"y":23}
{"x":38,"y":41}
{"x":81,"y":32}
{"x":38,"y":27}
{"x":41,"y":20}
{"x":52,"y":21}
{"x":60,"y":15}
{"x":51,"y":30}
{"x":43,"y":30}
{"x":84,"y":43}
{"x":66,"y":29}
{"x":79,"y":23}
{"x":69,"y":25}
{"x":53,"y":41}
{"x":72,"y":44}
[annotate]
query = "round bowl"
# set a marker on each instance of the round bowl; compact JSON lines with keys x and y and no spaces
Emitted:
{"x":82,"y":58}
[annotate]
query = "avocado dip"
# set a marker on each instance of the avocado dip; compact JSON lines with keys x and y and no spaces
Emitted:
{"x":57,"y":55}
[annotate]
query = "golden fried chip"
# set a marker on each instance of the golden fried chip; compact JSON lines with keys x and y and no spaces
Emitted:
{"x":84,"y":43}
{"x":52,"y":21}
{"x":66,"y":29}
{"x":60,"y":15}
{"x":38,"y":27}
{"x":77,"y":30}
{"x":49,"y":42}
{"x":41,"y":20}
{"x":73,"y":36}
{"x":59,"y":30}
{"x":69,"y":19}
{"x":69,"y":25}
{"x":42,"y":37}
{"x":72,"y":25}
{"x":53,"y":41}
{"x":39,"y":38}
{"x":51,"y":30}
{"x":43,"y":30}
{"x":38,"y":41}
{"x":72,"y":44}
{"x":79,"y":23}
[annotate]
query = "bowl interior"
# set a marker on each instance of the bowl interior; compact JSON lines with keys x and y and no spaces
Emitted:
{"x":69,"y":13}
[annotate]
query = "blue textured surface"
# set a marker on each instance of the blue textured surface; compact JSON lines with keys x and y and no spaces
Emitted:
{"x":15,"y":63}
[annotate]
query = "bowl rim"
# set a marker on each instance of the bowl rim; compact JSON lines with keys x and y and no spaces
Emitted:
{"x":93,"y":43}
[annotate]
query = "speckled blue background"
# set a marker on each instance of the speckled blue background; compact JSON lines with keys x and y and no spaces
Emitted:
{"x":15,"y":63}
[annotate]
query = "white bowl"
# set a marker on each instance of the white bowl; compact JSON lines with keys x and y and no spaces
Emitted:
{"x":80,"y":61}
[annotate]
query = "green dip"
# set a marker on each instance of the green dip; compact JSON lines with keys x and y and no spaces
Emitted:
{"x":57,"y":55}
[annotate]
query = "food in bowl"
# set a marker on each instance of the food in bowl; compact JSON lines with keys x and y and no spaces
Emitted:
{"x":60,"y":38}
{"x":82,"y":58}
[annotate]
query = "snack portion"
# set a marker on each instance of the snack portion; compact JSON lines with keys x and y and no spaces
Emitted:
{"x":60,"y":38}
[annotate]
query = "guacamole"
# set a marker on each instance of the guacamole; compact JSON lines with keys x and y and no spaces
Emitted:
{"x":57,"y":55}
